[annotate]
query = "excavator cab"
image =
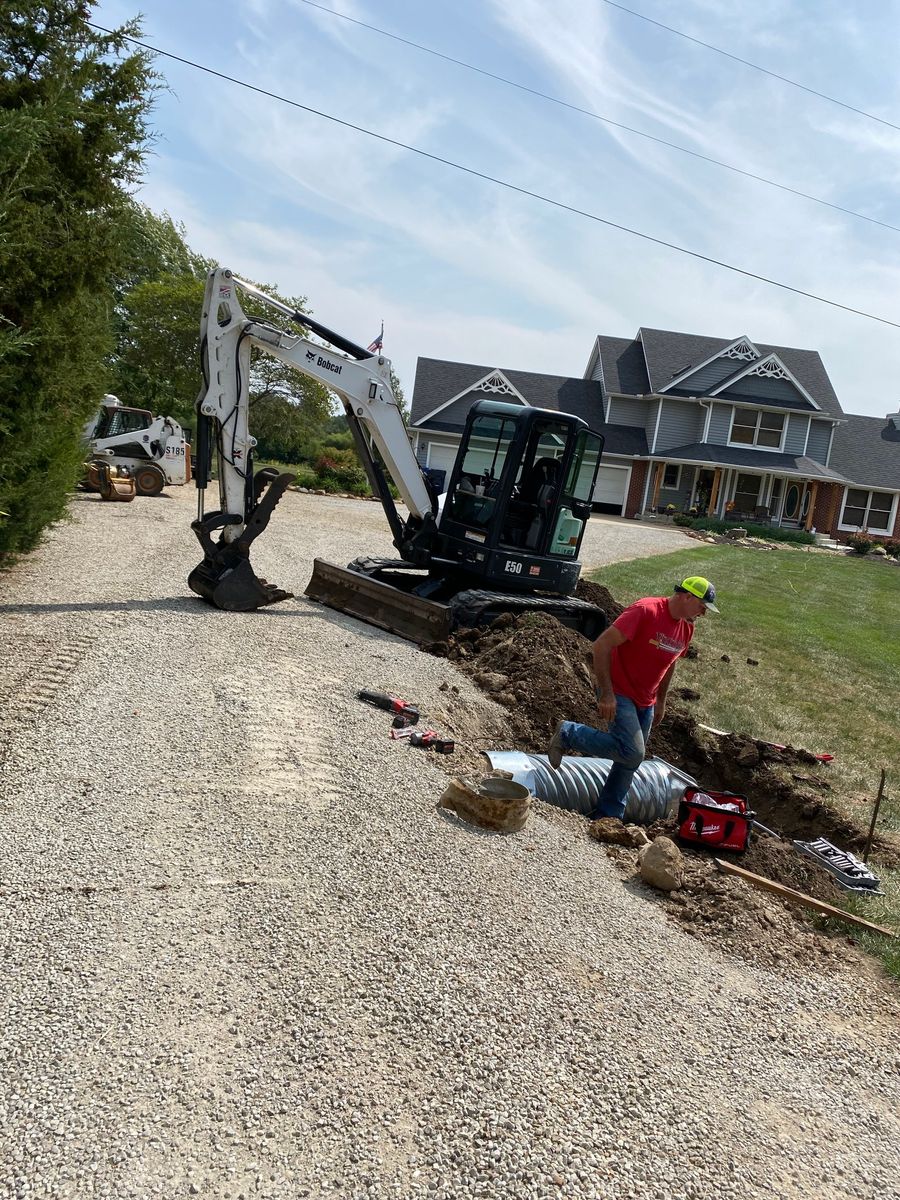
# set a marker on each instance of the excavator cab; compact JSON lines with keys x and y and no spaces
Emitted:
{"x":519,"y":497}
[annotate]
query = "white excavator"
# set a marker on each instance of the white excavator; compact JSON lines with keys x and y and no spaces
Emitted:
{"x":504,"y":538}
{"x":132,"y":452}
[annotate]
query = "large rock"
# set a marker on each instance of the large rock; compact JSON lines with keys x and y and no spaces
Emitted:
{"x":662,"y":865}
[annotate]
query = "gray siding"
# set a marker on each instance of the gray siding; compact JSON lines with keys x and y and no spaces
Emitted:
{"x":680,"y":424}
{"x":650,"y":427}
{"x":708,"y":377}
{"x":719,"y":424}
{"x":776,"y":391}
{"x":681,"y":495}
{"x":819,"y":434}
{"x":795,"y":436}
{"x":627,"y":411}
{"x":597,"y":373}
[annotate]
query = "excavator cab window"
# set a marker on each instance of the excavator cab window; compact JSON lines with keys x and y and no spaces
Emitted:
{"x":475,"y":496}
{"x":535,"y":492}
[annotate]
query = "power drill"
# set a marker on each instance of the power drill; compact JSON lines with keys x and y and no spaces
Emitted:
{"x":429,"y":740}
{"x":391,"y":704}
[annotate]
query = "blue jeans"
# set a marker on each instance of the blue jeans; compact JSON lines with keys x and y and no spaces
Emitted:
{"x":625,"y":742}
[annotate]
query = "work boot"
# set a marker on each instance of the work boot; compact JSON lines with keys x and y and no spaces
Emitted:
{"x":556,"y":750}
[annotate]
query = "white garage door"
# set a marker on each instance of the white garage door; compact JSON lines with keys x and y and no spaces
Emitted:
{"x":441,"y":457}
{"x":610,"y":486}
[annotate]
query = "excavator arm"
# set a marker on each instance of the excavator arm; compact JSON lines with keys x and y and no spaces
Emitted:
{"x":247,"y":497}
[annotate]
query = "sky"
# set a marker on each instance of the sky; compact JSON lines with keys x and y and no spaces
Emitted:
{"x":461,"y":268}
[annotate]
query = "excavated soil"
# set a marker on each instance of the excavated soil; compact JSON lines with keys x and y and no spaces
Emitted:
{"x":540,"y":671}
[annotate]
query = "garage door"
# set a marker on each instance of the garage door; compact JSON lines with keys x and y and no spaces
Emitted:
{"x":441,"y":457}
{"x":609,"y":489}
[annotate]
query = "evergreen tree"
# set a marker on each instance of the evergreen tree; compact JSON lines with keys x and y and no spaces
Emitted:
{"x":74,"y":105}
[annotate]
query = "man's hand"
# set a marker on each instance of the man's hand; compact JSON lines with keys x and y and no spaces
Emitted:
{"x":658,"y":713}
{"x":606,"y":704}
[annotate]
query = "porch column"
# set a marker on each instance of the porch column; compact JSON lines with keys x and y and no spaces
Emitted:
{"x":714,"y":494}
{"x":812,"y":506}
{"x":657,"y":484}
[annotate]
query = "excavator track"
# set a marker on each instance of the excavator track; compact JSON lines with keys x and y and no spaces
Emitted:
{"x":358,"y":591}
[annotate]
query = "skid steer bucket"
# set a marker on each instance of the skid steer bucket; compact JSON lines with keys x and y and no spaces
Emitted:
{"x":113,"y":483}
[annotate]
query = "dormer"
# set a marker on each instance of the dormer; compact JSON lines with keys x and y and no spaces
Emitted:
{"x":454,"y":410}
{"x":699,"y":379}
{"x":768,"y":380}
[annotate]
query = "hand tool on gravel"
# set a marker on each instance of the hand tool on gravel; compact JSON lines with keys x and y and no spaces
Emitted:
{"x":389,"y":703}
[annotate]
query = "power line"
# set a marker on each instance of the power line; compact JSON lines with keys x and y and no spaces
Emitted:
{"x":447,"y":162}
{"x":860,"y":112}
{"x":587,"y":112}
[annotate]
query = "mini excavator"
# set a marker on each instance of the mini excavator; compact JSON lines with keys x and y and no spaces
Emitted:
{"x":504,"y":538}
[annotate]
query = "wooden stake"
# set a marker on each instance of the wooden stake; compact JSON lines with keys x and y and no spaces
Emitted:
{"x":769,"y":885}
{"x":874,"y":818}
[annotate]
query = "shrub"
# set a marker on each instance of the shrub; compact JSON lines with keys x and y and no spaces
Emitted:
{"x":772,"y":533}
{"x":682,"y":519}
{"x":860,"y":543}
{"x":892,"y":548}
{"x":341,"y":471}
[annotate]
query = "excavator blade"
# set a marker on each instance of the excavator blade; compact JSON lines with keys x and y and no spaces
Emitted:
{"x":234,"y":588}
{"x":379,"y":604}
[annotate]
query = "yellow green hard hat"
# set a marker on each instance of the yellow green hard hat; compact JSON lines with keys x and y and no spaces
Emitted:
{"x":701,"y":588}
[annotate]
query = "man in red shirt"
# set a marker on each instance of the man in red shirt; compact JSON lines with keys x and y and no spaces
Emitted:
{"x":634,"y":661}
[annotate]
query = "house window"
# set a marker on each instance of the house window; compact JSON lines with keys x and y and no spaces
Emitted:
{"x":671,"y":476}
{"x":746,"y":492}
{"x":868,"y":510}
{"x":753,"y":427}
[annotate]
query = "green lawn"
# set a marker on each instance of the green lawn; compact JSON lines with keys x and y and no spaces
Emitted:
{"x":826,"y":632}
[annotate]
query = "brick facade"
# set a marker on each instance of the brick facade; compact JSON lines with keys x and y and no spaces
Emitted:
{"x":635,"y":495}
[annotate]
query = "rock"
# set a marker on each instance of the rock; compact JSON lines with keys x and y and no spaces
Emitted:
{"x":662,"y":865}
{"x":752,"y":662}
{"x":735,"y":533}
{"x":612,"y":831}
{"x":492,"y":681}
{"x":725,"y":658}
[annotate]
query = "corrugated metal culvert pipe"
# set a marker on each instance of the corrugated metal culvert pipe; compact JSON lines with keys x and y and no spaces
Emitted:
{"x":655,"y":790}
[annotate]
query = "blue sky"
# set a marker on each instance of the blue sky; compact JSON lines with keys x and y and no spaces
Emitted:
{"x":459,"y":268}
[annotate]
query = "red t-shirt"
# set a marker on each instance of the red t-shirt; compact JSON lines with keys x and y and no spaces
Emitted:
{"x":655,"y":641}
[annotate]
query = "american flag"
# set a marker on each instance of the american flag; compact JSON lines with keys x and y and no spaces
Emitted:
{"x":378,"y":342}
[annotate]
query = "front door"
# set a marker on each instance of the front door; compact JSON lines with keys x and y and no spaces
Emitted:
{"x":796,"y":503}
{"x":703,"y":489}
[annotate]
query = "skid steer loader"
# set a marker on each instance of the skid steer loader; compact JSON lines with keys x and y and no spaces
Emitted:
{"x":151,"y":452}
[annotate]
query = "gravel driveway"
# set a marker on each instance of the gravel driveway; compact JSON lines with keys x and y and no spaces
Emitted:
{"x":245,"y":956}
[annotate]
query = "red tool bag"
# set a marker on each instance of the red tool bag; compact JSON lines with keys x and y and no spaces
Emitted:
{"x":720,"y":820}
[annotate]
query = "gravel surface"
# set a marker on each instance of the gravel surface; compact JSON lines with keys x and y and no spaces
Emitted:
{"x":244,"y":955}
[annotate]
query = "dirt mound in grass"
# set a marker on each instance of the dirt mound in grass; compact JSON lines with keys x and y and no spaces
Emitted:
{"x":540,"y":671}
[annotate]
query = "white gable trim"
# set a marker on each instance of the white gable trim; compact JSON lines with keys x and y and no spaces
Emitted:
{"x":494,"y":381}
{"x":740,"y":348}
{"x":769,"y":367}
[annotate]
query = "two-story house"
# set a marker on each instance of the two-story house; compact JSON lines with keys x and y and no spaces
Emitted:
{"x":730,"y":428}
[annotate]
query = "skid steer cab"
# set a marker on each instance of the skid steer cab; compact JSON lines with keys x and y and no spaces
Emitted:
{"x":519,"y":497}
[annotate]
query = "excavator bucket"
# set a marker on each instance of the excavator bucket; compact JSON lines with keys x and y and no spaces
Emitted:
{"x":225,"y":577}
{"x":234,"y":588}
{"x":380,"y":604}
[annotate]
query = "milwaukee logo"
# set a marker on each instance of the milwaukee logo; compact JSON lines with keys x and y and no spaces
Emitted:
{"x":709,"y":830}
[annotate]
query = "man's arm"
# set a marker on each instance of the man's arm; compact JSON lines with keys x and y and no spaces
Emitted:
{"x":661,"y":692}
{"x":603,"y":689}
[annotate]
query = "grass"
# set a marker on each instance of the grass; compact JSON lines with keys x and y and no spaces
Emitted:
{"x":824,"y":631}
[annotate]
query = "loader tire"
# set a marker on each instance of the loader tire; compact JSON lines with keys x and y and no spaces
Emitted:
{"x":149,"y":481}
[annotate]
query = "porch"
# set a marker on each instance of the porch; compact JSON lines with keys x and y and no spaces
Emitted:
{"x":785,"y":499}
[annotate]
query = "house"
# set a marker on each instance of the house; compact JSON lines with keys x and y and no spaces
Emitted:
{"x":732,"y":428}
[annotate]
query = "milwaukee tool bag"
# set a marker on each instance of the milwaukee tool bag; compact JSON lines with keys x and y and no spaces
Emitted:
{"x":719,"y":820}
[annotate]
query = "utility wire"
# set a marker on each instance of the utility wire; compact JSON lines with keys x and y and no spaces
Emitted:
{"x":587,"y":112}
{"x":860,"y":112}
{"x":512,"y":187}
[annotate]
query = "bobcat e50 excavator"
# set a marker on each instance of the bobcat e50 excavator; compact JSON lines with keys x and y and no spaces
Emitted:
{"x":504,"y":538}
{"x":130,"y":444}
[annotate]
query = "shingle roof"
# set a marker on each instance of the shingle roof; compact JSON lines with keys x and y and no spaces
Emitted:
{"x":674,"y":352}
{"x":867,"y":451}
{"x":758,"y":460}
{"x":623,"y":366}
{"x":437,"y":381}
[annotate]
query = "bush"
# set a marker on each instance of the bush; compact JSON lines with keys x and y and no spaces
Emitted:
{"x":341,"y":471}
{"x":860,"y":543}
{"x":682,"y":519}
{"x":772,"y":533}
{"x":892,"y":548}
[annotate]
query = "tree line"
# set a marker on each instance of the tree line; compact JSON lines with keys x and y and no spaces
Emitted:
{"x":98,"y":293}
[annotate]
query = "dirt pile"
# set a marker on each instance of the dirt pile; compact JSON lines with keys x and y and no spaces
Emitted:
{"x":540,"y":671}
